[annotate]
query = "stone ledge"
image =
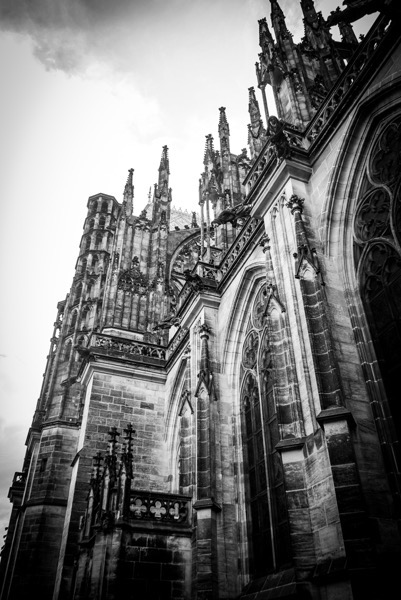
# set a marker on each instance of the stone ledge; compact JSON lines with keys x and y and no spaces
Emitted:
{"x":337,"y":413}
{"x":207,"y":503}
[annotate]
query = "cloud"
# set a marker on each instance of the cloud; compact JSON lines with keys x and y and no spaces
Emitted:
{"x":11,"y":448}
{"x":68,"y":36}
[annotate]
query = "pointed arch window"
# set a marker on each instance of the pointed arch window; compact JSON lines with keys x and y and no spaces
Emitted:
{"x":85,"y":317}
{"x":102,"y":221}
{"x":67,"y":351}
{"x":73,"y":320}
{"x":377,"y":238}
{"x":267,"y":515}
{"x":98,"y":239}
{"x":105,"y":206}
{"x":78,"y":292}
{"x":95,"y":261}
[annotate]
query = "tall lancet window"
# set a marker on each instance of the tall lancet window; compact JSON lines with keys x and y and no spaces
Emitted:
{"x":377,"y":236}
{"x":267,"y":517}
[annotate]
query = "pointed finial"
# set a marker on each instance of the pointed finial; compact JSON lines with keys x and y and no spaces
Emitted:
{"x":264,"y":33}
{"x":128,"y":194}
{"x":224,"y":128}
{"x":278,"y":18}
{"x":128,"y":185}
{"x":164,"y":161}
{"x":209,"y":150}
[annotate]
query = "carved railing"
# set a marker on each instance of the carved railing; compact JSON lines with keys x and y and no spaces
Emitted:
{"x":208,"y":271}
{"x":162,"y":508}
{"x":355,"y":70}
{"x":176,"y":341}
{"x":132,"y":348}
{"x":241,"y":241}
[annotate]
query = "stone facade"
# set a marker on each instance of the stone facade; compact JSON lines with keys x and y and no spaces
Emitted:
{"x":219,"y":414}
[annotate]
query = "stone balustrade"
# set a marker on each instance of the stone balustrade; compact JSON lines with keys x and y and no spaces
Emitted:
{"x":150,"y":506}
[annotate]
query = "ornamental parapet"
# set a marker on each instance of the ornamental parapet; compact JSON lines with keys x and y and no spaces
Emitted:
{"x":284,"y":141}
{"x":345,"y":88}
{"x":127,"y":349}
{"x":181,"y":335}
{"x":161,"y":508}
{"x":238,"y":247}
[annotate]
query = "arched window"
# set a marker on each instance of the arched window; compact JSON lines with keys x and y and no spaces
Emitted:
{"x":265,"y":494}
{"x":89,"y":289}
{"x":95,"y":261}
{"x":84,"y":263}
{"x":87,"y":243}
{"x":85,"y":317}
{"x":377,"y":237}
{"x":78,"y":292}
{"x":73,"y":320}
{"x":67,"y":351}
{"x":91,"y":224}
{"x":102,"y":221}
{"x":105,"y":206}
{"x":99,"y":240}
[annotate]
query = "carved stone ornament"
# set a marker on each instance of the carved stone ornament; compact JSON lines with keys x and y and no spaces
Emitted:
{"x":259,"y":309}
{"x":133,"y":280}
{"x":386,"y":156}
{"x":250,"y":350}
{"x":382,"y":264}
{"x":278,"y":139}
{"x":373,"y":215}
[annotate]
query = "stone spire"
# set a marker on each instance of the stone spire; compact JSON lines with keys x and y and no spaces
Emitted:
{"x":318,"y":37}
{"x":347,"y":34}
{"x":256,"y":130}
{"x":278,"y":21}
{"x":162,"y":193}
{"x":224,"y":128}
{"x":164,"y":169}
{"x":209,"y":154}
{"x":129,"y":194}
{"x":224,"y":135}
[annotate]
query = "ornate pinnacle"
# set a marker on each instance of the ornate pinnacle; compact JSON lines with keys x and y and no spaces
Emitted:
{"x":278,"y":18}
{"x":128,"y":185}
{"x":164,"y":161}
{"x":264,"y":33}
{"x":97,"y":464}
{"x":253,"y":107}
{"x":113,"y":433}
{"x":224,"y":128}
{"x":209,"y":150}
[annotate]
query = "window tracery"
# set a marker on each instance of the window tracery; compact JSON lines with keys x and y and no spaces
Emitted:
{"x":377,"y":235}
{"x":265,"y":492}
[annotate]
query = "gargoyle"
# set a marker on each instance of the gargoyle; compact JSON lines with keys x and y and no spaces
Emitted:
{"x":277,"y":138}
{"x":194,"y":281}
{"x":172,"y":321}
{"x":233,"y":214}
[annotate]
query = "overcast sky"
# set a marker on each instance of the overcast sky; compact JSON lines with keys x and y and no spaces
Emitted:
{"x":91,"y":88}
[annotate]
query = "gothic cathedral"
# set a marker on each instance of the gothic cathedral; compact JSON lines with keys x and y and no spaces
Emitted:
{"x":219,"y":415}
